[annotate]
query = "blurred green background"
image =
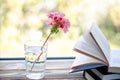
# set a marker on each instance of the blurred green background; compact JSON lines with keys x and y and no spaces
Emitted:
{"x":21,"y":20}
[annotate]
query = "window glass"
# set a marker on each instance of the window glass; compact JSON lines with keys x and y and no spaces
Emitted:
{"x":21,"y":20}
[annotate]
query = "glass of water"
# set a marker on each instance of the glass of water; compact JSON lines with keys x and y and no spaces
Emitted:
{"x":35,"y":59}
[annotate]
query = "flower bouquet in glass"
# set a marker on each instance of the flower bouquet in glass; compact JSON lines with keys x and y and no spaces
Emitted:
{"x":35,"y":64}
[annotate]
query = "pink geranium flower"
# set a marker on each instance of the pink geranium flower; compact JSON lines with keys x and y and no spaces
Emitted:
{"x":56,"y":19}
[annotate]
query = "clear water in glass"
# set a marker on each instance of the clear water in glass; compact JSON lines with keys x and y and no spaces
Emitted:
{"x":38,"y":70}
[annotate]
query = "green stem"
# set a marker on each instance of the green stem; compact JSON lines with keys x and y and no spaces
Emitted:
{"x":41,"y":50}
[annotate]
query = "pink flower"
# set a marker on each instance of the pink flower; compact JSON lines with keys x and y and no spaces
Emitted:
{"x":57,"y":20}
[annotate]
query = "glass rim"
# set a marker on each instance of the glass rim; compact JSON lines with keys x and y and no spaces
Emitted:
{"x":36,"y":42}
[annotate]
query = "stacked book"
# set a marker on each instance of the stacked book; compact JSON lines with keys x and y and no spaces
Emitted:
{"x":96,"y":58}
{"x":100,"y":74}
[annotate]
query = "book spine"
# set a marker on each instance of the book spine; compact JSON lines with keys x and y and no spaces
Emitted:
{"x":92,"y":74}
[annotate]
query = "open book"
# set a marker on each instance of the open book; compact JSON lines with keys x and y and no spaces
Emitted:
{"x":95,"y":52}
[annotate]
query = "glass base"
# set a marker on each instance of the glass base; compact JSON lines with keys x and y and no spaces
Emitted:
{"x":35,"y":75}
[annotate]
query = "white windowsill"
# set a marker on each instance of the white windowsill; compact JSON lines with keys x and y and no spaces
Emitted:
{"x":15,"y":69}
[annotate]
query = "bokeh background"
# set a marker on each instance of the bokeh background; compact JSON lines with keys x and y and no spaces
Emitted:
{"x":21,"y":20}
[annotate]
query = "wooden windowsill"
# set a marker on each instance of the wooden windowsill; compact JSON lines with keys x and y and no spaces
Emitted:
{"x":55,"y":70}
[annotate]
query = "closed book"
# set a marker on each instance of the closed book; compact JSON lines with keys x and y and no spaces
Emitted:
{"x":100,"y":74}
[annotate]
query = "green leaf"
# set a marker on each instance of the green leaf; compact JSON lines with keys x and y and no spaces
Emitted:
{"x":54,"y":29}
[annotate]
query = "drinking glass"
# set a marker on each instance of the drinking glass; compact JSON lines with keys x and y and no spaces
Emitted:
{"x":35,"y":59}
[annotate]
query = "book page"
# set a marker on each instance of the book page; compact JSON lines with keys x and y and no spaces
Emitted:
{"x":114,"y":61}
{"x":90,"y":41}
{"x":85,"y":48}
{"x":100,"y":40}
{"x":82,"y":59}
